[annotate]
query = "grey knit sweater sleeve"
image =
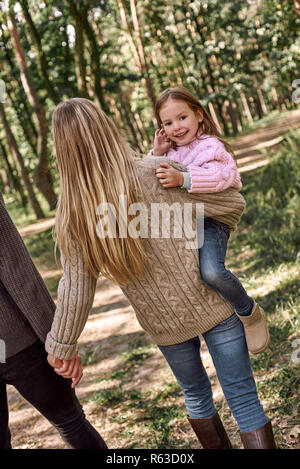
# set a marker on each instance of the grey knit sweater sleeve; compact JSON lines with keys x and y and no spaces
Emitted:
{"x":75,"y":296}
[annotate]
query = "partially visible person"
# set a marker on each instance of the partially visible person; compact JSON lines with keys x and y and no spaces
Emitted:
{"x":26,"y":315}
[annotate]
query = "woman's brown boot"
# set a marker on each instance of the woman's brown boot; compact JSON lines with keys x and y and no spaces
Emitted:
{"x":261,"y":438}
{"x":210,"y":432}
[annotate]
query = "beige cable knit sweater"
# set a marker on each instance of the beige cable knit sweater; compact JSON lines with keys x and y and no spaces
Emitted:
{"x":171,"y":301}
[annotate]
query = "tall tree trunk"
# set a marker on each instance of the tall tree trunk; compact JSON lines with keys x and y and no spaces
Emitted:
{"x":70,"y":86}
{"x":126,"y":115}
{"x":138,"y":50}
{"x":260,"y":96}
{"x":42,"y":58}
{"x":126,"y":26}
{"x":80,"y":62}
{"x":14,"y":88}
{"x":233,"y":117}
{"x":18,"y":157}
{"x":246,"y":108}
{"x":145,"y":69}
{"x":275,"y":98}
{"x":15,"y":181}
{"x":214,"y":116}
{"x":210,"y":79}
{"x":24,"y":118}
{"x":82,"y":15}
{"x":42,"y":175}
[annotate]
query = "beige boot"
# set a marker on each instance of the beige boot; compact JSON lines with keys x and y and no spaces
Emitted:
{"x":256,"y":330}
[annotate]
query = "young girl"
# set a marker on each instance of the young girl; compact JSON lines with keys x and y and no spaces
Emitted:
{"x":188,"y":135}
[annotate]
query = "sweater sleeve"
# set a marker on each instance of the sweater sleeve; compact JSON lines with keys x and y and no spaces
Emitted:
{"x":186,"y":180}
{"x":75,"y":296}
{"x":217,"y":173}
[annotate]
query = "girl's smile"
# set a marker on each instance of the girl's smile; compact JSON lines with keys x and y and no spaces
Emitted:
{"x":179,"y":121}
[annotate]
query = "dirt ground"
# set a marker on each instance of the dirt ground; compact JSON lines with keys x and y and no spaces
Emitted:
{"x":112,"y":325}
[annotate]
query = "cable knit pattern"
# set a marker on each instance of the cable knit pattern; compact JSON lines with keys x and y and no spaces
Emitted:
{"x":75,"y":297}
{"x":171,"y":301}
{"x":211,"y":167}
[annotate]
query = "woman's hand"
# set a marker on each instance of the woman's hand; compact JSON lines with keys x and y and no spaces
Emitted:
{"x":162,"y":143}
{"x":67,"y":368}
{"x":168,"y":176}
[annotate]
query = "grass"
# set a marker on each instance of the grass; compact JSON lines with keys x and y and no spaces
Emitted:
{"x":265,"y":255}
{"x":150,"y":410}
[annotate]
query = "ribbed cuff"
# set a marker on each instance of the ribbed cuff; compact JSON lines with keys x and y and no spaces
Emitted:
{"x":186,"y":180}
{"x":62,"y":351}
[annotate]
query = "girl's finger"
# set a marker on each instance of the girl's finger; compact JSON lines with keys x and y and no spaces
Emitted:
{"x":161,"y":174}
{"x":62,"y":369}
{"x":161,"y":169}
{"x":66,"y":368}
{"x":77,"y":379}
{"x":71,"y":371}
{"x":76,"y":368}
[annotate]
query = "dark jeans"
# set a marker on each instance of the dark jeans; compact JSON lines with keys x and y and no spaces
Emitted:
{"x":212,"y":266}
{"x":29,"y":372}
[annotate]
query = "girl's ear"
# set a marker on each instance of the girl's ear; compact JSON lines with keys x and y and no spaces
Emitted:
{"x":200,"y":114}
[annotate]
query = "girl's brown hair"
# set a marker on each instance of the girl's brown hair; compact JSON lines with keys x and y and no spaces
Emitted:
{"x":207,"y":126}
{"x":95,"y":166}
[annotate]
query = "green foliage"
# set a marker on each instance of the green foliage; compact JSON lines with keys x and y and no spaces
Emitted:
{"x":273,"y":205}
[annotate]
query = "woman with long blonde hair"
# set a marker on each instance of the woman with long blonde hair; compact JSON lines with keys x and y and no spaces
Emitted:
{"x":103,"y":186}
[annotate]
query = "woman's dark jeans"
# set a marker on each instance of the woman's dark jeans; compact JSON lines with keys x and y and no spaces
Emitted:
{"x":51,"y":394}
{"x":212,"y":266}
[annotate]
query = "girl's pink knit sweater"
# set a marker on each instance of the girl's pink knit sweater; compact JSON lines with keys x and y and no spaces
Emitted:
{"x":211,"y":167}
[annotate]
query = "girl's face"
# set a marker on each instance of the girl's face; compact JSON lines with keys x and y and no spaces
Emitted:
{"x":179,"y":121}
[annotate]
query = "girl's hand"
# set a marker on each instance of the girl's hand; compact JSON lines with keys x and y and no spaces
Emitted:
{"x":67,"y":368}
{"x":168,"y":176}
{"x":162,"y":143}
{"x":53,"y":361}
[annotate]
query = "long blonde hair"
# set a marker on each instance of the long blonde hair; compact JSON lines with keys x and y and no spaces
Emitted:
{"x":95,"y":166}
{"x":207,"y":126}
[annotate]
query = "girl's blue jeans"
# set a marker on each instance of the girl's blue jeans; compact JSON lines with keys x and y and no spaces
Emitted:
{"x":212,"y":266}
{"x":227,"y":346}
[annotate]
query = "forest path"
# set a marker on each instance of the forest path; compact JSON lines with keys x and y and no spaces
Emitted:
{"x":249,"y":148}
{"x":112,"y":326}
